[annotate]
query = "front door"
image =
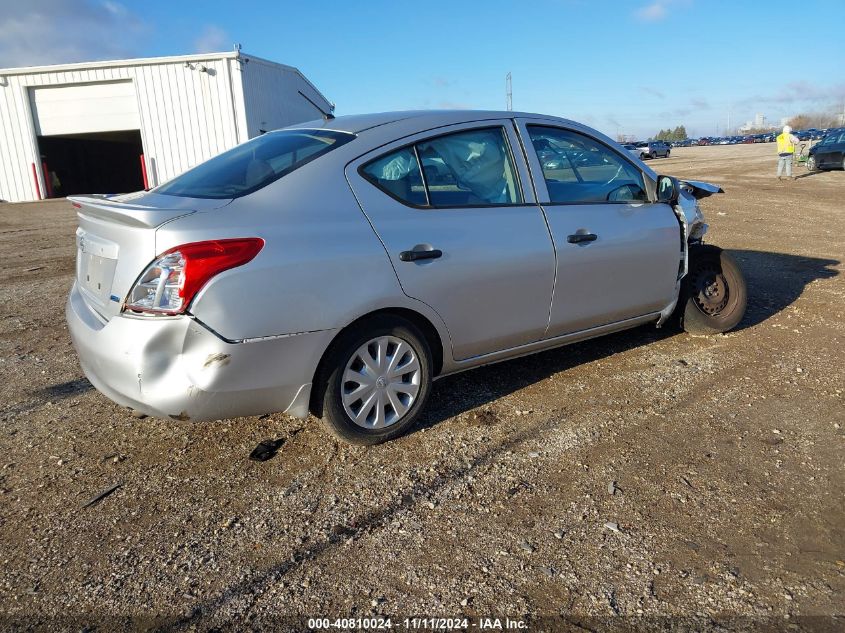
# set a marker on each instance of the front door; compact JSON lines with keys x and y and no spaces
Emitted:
{"x":456,"y":214}
{"x":617,"y":252}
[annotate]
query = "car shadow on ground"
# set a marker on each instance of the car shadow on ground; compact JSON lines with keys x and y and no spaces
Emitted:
{"x":810,"y":173}
{"x":774,"y":280}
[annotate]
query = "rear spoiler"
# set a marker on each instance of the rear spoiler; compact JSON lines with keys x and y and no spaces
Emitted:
{"x":137,"y":215}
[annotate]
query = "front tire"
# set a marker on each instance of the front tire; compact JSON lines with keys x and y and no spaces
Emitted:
{"x":811,"y":163}
{"x":379,"y":378}
{"x":714,"y":294}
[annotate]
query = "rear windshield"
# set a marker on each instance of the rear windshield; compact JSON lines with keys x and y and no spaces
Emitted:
{"x":254,"y":164}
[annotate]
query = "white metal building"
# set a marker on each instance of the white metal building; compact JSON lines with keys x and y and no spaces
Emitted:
{"x":117,"y":126}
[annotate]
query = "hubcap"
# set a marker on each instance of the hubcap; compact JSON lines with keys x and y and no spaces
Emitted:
{"x":711,"y":290}
{"x":380,"y":382}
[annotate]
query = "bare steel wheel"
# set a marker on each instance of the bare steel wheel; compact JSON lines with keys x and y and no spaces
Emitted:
{"x":709,"y":289}
{"x":713,"y":294}
{"x":381,"y":382}
{"x":375,"y":380}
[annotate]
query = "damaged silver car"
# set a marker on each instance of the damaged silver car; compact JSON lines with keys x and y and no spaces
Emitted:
{"x":338,"y":267}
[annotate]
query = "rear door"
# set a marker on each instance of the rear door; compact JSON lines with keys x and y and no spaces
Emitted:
{"x":462,"y":232}
{"x":617,"y":251}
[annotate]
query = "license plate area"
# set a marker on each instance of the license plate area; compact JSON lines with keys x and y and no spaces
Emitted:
{"x":96,"y":274}
{"x":96,"y":261}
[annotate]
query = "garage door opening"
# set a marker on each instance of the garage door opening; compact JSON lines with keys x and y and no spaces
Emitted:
{"x":100,"y":162}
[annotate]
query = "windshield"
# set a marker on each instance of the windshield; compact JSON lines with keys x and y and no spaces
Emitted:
{"x":254,"y":164}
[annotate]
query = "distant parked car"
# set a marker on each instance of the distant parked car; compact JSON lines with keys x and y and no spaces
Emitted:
{"x":634,"y":150}
{"x":653,"y":149}
{"x":704,"y":141}
{"x":829,"y":153}
{"x":316,"y":268}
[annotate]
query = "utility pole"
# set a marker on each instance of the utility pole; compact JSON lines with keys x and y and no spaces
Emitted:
{"x":508,"y":93}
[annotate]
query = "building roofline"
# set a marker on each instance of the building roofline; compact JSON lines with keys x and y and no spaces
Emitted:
{"x":151,"y":61}
{"x":262,"y":60}
{"x":112,"y":63}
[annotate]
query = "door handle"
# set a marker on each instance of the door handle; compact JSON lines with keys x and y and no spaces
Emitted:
{"x":413,"y":256}
{"x":577,"y":238}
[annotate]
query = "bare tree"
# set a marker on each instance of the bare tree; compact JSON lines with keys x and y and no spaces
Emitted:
{"x":818,"y":120}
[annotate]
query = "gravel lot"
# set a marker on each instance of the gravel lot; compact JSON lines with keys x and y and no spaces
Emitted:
{"x":645,"y":480}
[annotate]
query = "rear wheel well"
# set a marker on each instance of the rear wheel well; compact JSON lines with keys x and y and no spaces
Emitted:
{"x":422,"y":324}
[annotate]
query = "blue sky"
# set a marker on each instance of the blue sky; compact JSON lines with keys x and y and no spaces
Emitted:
{"x":628,"y":66}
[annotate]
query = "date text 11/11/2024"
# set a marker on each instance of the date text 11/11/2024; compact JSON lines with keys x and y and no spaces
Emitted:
{"x":418,"y":624}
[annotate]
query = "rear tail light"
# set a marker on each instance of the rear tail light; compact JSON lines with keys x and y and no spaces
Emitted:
{"x":170,"y":283}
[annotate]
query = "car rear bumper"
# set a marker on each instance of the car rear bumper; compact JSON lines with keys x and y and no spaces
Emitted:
{"x":175,"y":367}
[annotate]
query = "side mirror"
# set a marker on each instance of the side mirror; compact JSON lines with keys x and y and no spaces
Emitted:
{"x":668,"y":189}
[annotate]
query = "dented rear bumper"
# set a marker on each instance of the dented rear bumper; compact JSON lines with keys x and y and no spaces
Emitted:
{"x":175,"y":367}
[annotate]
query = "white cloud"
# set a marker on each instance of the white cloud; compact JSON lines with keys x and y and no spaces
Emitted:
{"x":800,"y":92}
{"x":65,"y":31}
{"x":652,"y":12}
{"x":658,"y":10}
{"x":213,"y":39}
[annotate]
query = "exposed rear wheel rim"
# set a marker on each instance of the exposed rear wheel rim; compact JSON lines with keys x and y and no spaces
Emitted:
{"x":380,"y":382}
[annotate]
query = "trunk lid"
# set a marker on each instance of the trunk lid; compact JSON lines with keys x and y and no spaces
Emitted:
{"x":115,"y":241}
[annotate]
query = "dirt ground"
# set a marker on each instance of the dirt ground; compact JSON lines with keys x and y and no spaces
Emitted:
{"x":648,"y":480}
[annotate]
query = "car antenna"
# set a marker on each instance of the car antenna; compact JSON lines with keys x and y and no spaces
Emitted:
{"x":326,"y":115}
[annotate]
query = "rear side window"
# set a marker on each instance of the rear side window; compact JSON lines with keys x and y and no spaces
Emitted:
{"x":579,"y":169}
{"x":254,"y":164}
{"x":398,"y":174}
{"x":464,"y":169}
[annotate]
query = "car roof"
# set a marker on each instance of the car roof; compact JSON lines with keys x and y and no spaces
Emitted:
{"x":357,"y":123}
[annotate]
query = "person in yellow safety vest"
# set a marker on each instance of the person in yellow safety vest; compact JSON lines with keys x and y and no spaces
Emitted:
{"x":786,"y":149}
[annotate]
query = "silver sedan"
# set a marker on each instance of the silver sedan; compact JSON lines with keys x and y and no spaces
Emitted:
{"x":339,"y":266}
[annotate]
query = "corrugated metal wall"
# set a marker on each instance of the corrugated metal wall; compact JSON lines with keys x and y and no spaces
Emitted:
{"x":187,"y":115}
{"x":272,"y":97}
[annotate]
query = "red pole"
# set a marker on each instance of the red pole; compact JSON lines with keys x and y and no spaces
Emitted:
{"x":144,"y":172}
{"x":35,"y":178}
{"x":47,"y":183}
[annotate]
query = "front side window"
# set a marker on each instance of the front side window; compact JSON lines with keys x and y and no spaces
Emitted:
{"x":254,"y":164}
{"x":579,"y":169}
{"x":464,"y":169}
